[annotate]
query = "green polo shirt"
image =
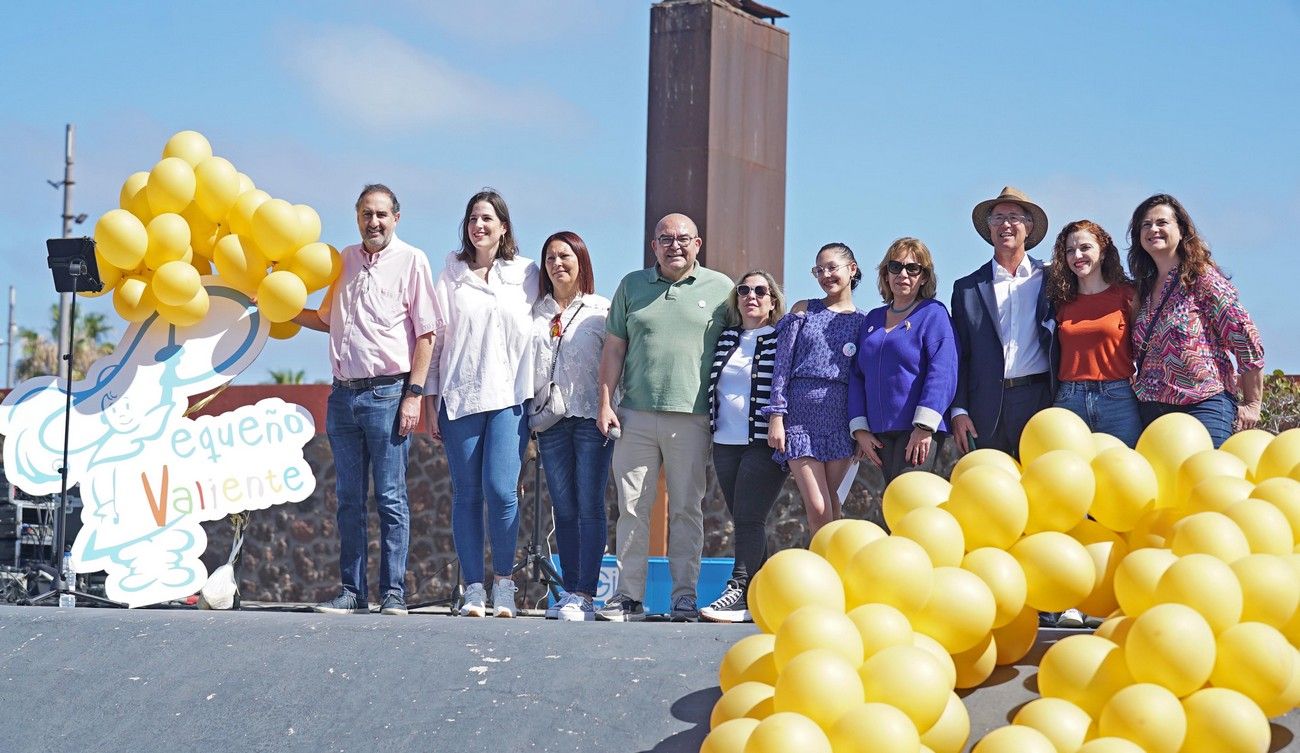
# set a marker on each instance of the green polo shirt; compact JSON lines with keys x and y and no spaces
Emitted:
{"x":671,"y":329}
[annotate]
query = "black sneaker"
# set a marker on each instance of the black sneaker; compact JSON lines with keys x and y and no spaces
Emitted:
{"x":345,"y":603}
{"x":684,"y":609}
{"x":729,"y":607}
{"x":621,"y":608}
{"x":393,"y":604}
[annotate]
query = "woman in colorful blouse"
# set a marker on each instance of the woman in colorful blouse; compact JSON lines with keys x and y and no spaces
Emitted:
{"x":740,"y":384}
{"x":1094,"y":310}
{"x":904,"y":376}
{"x":1189,"y":326}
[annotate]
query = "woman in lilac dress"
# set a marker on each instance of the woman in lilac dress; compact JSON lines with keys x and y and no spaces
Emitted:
{"x":809,"y":424}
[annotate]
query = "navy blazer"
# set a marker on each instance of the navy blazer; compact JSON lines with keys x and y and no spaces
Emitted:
{"x":979,"y":346}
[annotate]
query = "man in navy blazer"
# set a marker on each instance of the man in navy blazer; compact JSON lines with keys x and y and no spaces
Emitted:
{"x":1005,"y":328}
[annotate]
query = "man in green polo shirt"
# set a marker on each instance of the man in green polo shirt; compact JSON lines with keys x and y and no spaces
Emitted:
{"x":662,"y":327}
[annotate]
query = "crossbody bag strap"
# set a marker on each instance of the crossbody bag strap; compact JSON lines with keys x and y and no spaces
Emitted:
{"x":1145,"y":347}
{"x":559,"y":339}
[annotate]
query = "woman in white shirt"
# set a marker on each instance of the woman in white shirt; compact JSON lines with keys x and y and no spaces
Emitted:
{"x":568,"y":333}
{"x":740,"y":385}
{"x":482,"y":372}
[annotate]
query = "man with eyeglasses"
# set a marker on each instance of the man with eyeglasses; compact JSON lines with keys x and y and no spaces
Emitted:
{"x":662,"y":322}
{"x":1004,"y":326}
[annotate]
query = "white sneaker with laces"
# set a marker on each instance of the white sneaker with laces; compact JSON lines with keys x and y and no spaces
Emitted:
{"x":576,"y":608}
{"x":503,"y":598}
{"x":474,"y":604}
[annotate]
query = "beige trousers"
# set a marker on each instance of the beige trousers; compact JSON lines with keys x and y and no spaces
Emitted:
{"x":680,"y":442}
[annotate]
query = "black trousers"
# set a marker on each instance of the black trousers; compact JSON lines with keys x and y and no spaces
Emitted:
{"x":751,"y":482}
{"x":894,"y":455}
{"x":1019,"y":404}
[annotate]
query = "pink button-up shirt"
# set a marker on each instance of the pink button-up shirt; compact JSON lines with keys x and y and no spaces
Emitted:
{"x":376,"y":309}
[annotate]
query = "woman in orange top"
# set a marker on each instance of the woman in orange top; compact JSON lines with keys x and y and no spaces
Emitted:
{"x":1094,"y":305}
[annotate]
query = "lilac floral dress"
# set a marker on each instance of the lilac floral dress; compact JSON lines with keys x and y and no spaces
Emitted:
{"x":810,"y":382}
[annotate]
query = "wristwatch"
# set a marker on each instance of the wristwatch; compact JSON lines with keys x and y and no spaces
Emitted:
{"x":414,"y":389}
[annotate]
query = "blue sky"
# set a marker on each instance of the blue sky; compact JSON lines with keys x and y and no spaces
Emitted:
{"x":902,"y":117}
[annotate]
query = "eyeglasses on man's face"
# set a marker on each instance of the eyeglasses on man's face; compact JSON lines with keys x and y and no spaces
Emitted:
{"x":997,"y":220}
{"x":668,"y":241}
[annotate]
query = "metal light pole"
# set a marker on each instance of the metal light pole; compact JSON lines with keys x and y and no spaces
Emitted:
{"x":9,"y":341}
{"x":65,"y":299}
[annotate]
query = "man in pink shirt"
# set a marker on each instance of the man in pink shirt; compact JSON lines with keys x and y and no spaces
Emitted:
{"x":379,"y":315}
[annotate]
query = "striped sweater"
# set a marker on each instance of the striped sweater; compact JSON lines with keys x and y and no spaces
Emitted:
{"x":760,"y":379}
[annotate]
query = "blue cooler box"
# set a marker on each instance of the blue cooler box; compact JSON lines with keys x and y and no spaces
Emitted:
{"x":714,"y":574}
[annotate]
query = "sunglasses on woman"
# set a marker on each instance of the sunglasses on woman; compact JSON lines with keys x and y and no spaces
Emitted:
{"x":759,"y":291}
{"x":912,"y":268}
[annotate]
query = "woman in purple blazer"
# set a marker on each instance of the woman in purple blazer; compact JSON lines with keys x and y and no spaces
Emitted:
{"x":904,"y":375}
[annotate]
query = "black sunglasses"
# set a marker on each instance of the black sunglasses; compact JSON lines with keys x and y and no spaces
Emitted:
{"x":913,"y":269}
{"x":759,"y":291}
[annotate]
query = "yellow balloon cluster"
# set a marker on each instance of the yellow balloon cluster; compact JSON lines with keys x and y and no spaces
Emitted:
{"x":1189,"y":552}
{"x":194,"y":212}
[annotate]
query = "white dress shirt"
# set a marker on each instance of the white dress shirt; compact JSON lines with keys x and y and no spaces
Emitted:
{"x":1017,"y":300}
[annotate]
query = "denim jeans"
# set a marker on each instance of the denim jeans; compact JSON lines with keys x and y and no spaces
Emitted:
{"x":1217,"y":413}
{"x":575,"y":456}
{"x":362,"y":429}
{"x":1108,"y":407}
{"x":484,"y":453}
{"x":751,"y":481}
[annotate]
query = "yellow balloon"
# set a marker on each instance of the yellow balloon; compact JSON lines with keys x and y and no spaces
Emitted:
{"x":171,"y":185}
{"x":109,"y":276}
{"x":794,"y":578}
{"x":216,"y":186}
{"x":938,"y":533}
{"x":190,"y":312}
{"x":1206,"y":584}
{"x":1059,"y":572}
{"x":1217,"y":494}
{"x":940,"y":655}
{"x":121,"y":239}
{"x":876,"y":727}
{"x":1060,"y":486}
{"x":133,"y":301}
{"x":748,"y":699}
{"x":281,"y":296}
{"x":1209,"y":533}
{"x":786,"y":732}
{"x":729,"y":737}
{"x":1207,"y":464}
{"x":190,"y":146}
{"x":1115,"y":628}
{"x":239,"y":263}
{"x":1270,"y":589}
{"x":203,"y":266}
{"x":986,"y":456}
{"x":175,"y":283}
{"x":1055,"y":429}
{"x":950,"y":733}
{"x":820,"y":540}
{"x":169,"y":236}
{"x":881,"y":626}
{"x":819,"y":684}
{"x":308,"y":225}
{"x":960,"y":611}
{"x":1267,"y":530}
{"x":1248,"y":445}
{"x":894,"y":571}
{"x":909,"y":679}
{"x":1284,"y":494}
{"x":1166,"y":443}
{"x":975,"y":664}
{"x":245,"y":184}
{"x":1126,"y":488}
{"x":751,"y":659}
{"x":1280,"y":457}
{"x":1171,"y":645}
{"x":1107,"y":550}
{"x":1109,"y":745}
{"x":133,"y":197}
{"x":240,"y":216}
{"x":912,"y":490}
{"x":1102,"y":442}
{"x":1015,"y":639}
{"x":847,"y":540}
{"x":1005,"y":578}
{"x":1146,"y":714}
{"x":1014,"y":739}
{"x":276,"y":228}
{"x":1220,"y":720}
{"x":816,"y":626}
{"x":1084,"y":670}
{"x":991,"y":507}
{"x":1255,"y":660}
{"x":1290,"y":697}
{"x":752,"y":597}
{"x":1064,"y":723}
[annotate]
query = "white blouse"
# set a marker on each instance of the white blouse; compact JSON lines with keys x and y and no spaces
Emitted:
{"x":482,"y":348}
{"x":578,"y":364}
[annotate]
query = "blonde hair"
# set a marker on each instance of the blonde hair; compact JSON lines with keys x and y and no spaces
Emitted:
{"x":899,"y":248}
{"x":778,"y":298}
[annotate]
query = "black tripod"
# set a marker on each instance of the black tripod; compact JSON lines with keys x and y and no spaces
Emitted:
{"x":72,"y":262}
{"x":543,"y":570}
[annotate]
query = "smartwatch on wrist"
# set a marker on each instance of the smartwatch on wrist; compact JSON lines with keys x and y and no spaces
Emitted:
{"x":415,"y":390}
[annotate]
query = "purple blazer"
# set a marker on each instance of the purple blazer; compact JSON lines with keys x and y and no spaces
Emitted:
{"x":906,"y":376}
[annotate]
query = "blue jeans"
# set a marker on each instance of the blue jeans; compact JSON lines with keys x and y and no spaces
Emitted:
{"x":1108,"y":407}
{"x":575,"y":456}
{"x":362,"y":429}
{"x":1217,"y":413}
{"x":484,"y":453}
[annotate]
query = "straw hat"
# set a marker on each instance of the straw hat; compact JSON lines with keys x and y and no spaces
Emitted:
{"x":980,"y":215}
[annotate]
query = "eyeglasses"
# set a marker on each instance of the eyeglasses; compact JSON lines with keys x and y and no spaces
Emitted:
{"x":826,"y":271}
{"x":668,"y":241}
{"x":1015,"y":219}
{"x":759,"y":291}
{"x":911,"y":268}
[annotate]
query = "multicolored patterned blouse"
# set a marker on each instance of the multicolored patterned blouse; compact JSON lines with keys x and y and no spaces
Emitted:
{"x":1189,"y":346}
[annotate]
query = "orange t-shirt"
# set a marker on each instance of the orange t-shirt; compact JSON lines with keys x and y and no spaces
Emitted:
{"x":1094,"y":332}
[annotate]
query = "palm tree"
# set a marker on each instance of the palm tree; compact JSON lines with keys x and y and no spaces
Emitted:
{"x":287,"y":376}
{"x":41,"y":353}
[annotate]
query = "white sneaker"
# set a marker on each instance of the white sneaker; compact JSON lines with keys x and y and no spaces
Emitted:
{"x":1071,"y":619}
{"x":553,"y":608}
{"x":576,"y":608}
{"x":474,"y":603}
{"x":503,"y":598}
